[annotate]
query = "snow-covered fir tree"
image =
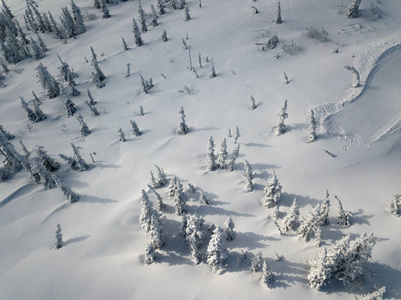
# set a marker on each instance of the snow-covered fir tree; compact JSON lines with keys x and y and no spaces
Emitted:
{"x":286,"y":81}
{"x":49,"y":163}
{"x":394,"y":205}
{"x":59,"y":237}
{"x":164,"y":36}
{"x":66,"y":190}
{"x":40,"y":174}
{"x":160,"y":180}
{"x":146,"y":212}
{"x":267,"y":275}
{"x":150,"y":254}
{"x":195,"y":233}
{"x":236,"y":135}
{"x":156,"y":232}
{"x":39,"y":114}
{"x":291,"y":221}
{"x":203,"y":199}
{"x":357,"y":79}
{"x":256,"y":262}
{"x":96,"y":80}
{"x":175,"y":191}
{"x":325,"y":209}
{"x":29,"y":111}
{"x":135,"y":129}
{"x":343,"y":217}
{"x":37,"y":51}
{"x":353,"y":9}
{"x":66,"y":72}
{"x":229,"y":229}
{"x":93,"y":109}
{"x":320,"y":271}
{"x":282,"y":128}
{"x":160,"y":205}
{"x":278,"y":16}
{"x":253,"y":104}
{"x":142,"y":17}
{"x":234,"y":156}
{"x":105,"y":10}
{"x":182,"y":127}
{"x":125,"y":46}
{"x":98,"y":71}
{"x":312,"y":127}
{"x":216,"y":252}
{"x":161,"y":7}
{"x":249,"y":185}
{"x":212,"y":71}
{"x":187,"y":15}
{"x":47,"y":81}
{"x":137,"y":33}
{"x":211,"y":157}
{"x":121,"y":135}
{"x":85,"y":131}
{"x":221,"y":158}
{"x":91,"y":99}
{"x":69,"y":107}
{"x":78,"y":18}
{"x":27,"y":153}
{"x":310,"y":224}
{"x":154,"y":22}
{"x":272,"y":191}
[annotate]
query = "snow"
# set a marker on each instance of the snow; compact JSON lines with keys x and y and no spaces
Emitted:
{"x":104,"y":244}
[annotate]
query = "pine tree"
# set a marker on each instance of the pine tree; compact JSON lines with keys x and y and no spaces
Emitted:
{"x":249,"y":185}
{"x":267,"y":275}
{"x":47,"y":81}
{"x":179,"y":198}
{"x":216,"y":251}
{"x":312,"y":127}
{"x":121,"y":135}
{"x":343,"y":216}
{"x":154,"y":22}
{"x":203,"y":199}
{"x":253,"y":104}
{"x":187,"y":15}
{"x":38,"y":53}
{"x":234,"y":156}
{"x":68,"y":22}
{"x":160,"y":206}
{"x":272,"y":191}
{"x":59,"y":237}
{"x":92,"y":108}
{"x":310,"y":224}
{"x":49,"y":163}
{"x":125,"y":46}
{"x":85,"y":131}
{"x":286,"y":81}
{"x":146,"y":212}
{"x":135,"y":129}
{"x":98,"y":71}
{"x":183,"y":127}
{"x":195,"y":233}
{"x":59,"y":34}
{"x":31,"y":114}
{"x":237,"y":135}
{"x":141,"y":112}
{"x":161,"y":179}
{"x":164,"y":36}
{"x":91,"y":99}
{"x":256,"y":262}
{"x":26,"y":151}
{"x":40,"y":116}
{"x":69,"y":107}
{"x":156,"y":232}
{"x":8,"y":135}
{"x":291,"y":221}
{"x":320,"y":271}
{"x":395,"y":205}
{"x":353,"y":9}
{"x":211,"y":158}
{"x":6,"y":9}
{"x":150,"y":254}
{"x":142,"y":17}
{"x":161,"y":7}
{"x":212,"y":71}
{"x":105,"y":10}
{"x":78,"y":18}
{"x":221,"y":159}
{"x":282,"y":128}
{"x":278,"y":17}
{"x":81,"y":164}
{"x":66,"y":190}
{"x":40,"y":174}
{"x":137,"y":33}
{"x":324,"y":214}
{"x":229,"y":229}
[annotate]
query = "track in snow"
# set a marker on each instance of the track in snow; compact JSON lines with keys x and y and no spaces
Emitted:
{"x":376,"y":112}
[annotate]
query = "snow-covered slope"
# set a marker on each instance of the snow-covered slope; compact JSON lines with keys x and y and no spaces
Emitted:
{"x":104,"y":243}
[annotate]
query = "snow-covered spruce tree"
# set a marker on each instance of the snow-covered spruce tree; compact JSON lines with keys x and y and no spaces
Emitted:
{"x":14,"y":161}
{"x":229,"y":229}
{"x":6,"y":9}
{"x":125,"y":46}
{"x":145,"y":86}
{"x":353,"y":9}
{"x":49,"y":163}
{"x":59,"y":238}
{"x":216,"y":251}
{"x":161,"y":7}
{"x":346,"y":261}
{"x":47,"y":81}
{"x":272,"y":191}
{"x":146,"y":212}
{"x":67,"y":22}
{"x":256,"y":262}
{"x":182,"y":127}
{"x":164,"y":36}
{"x":324,"y":212}
{"x":282,"y":128}
{"x":66,"y":72}
{"x":96,"y":80}
{"x":105,"y":10}
{"x":154,"y":22}
{"x":253,"y":104}
{"x":278,"y":17}
{"x":40,"y":116}
{"x":37,"y":51}
{"x":98,"y":71}
{"x":249,"y":185}
{"x":203,"y":199}
{"x":96,"y":4}
{"x":221,"y":158}
{"x":394,"y":205}
{"x":137,"y":33}
{"x":160,"y":206}
{"x":135,"y":129}
{"x":234,"y":156}
{"x":236,"y":135}
{"x":286,"y":81}
{"x":291,"y":221}
{"x":187,"y":15}
{"x":312,"y":127}
{"x":121,"y":135}
{"x":267,"y":275}
{"x":85,"y":131}
{"x":309,"y":225}
{"x":275,"y":213}
{"x":56,"y":29}
{"x":212,"y":71}
{"x":81,"y":164}
{"x":69,"y":107}
{"x":179,"y":198}
{"x":150,"y":254}
{"x":211,"y":157}
{"x":142,"y":17}
{"x":24,"y":149}
{"x":92,"y":109}
{"x":8,"y":135}
{"x":40,"y":174}
{"x":78,"y":18}
{"x":31,"y":115}
{"x":160,"y":180}
{"x":195,"y":233}
{"x":38,"y":18}
{"x":91,"y":99}
{"x":141,"y":111}
{"x":343,"y":217}
{"x":36,"y":98}
{"x":66,"y":190}
{"x":357,"y":80}
{"x":156,"y":232}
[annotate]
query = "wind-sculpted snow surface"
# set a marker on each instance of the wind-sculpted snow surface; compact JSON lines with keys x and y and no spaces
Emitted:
{"x":376,"y":113}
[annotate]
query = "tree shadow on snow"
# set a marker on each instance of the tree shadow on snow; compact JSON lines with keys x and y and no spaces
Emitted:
{"x":206,"y":210}
{"x":359,"y":218}
{"x":257,"y":145}
{"x":76,"y":240}
{"x":288,"y":199}
{"x":250,"y":240}
{"x":94,"y":199}
{"x":204,"y":129}
{"x":102,"y":165}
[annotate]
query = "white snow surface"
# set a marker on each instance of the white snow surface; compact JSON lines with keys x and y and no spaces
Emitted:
{"x":102,"y":256}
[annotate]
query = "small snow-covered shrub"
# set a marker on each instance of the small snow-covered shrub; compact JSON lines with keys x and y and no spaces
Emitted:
{"x":316,"y":34}
{"x":292,"y":48}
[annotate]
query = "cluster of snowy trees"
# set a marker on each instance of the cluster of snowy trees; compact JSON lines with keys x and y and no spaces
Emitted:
{"x":218,"y":161}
